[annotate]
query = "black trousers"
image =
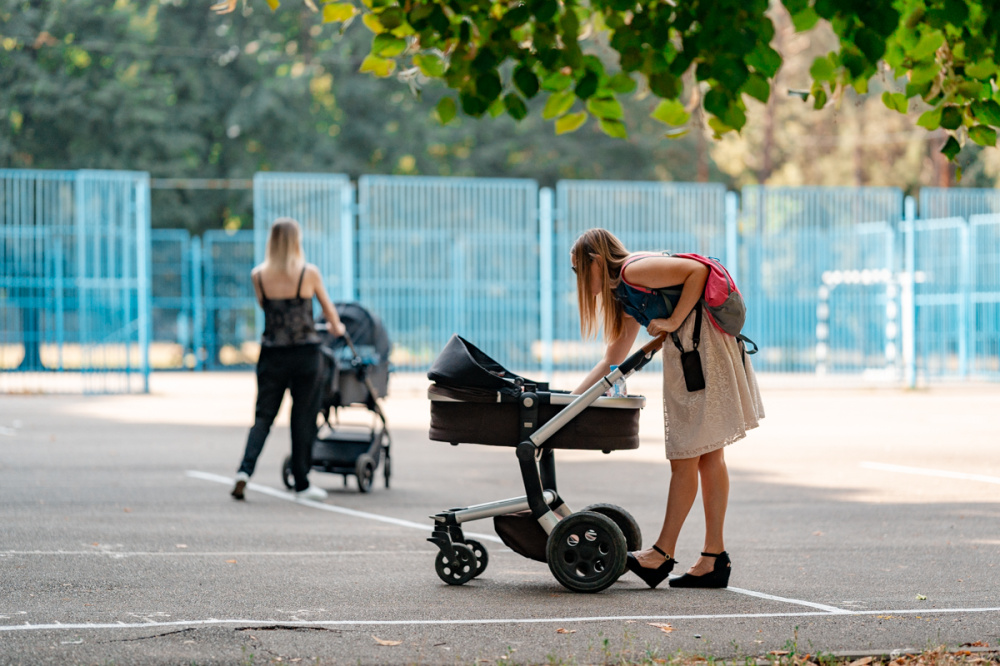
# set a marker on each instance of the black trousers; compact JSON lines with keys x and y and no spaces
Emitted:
{"x":296,"y":369}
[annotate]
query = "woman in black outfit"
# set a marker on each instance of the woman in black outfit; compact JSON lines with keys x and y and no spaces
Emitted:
{"x":289,"y":352}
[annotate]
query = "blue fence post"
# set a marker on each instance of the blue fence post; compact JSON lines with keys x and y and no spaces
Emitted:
{"x":348,"y":210}
{"x":144,"y":274}
{"x":545,"y":285}
{"x":908,"y":310}
{"x":197,"y":306}
{"x":965,"y":287}
{"x":732,"y":233}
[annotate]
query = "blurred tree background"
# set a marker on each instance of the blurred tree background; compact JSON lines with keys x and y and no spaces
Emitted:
{"x":166,"y":87}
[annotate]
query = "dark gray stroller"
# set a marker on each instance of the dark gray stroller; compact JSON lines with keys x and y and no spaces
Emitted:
{"x":355,"y":374}
{"x":475,"y":400}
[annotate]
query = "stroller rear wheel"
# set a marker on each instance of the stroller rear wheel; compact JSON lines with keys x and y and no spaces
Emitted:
{"x":586,"y":551}
{"x":364,"y":469}
{"x":625,"y":522}
{"x":458,"y":570}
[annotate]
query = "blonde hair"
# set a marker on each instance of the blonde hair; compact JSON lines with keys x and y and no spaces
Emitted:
{"x":602,"y":310}
{"x":284,"y":245}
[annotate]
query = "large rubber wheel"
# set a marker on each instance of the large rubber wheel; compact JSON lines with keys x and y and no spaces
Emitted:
{"x":364,"y":469}
{"x":458,"y":571}
{"x":586,"y":551}
{"x":286,"y":473}
{"x":625,"y":522}
{"x":482,"y":557}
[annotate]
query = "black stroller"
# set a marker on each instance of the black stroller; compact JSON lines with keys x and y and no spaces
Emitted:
{"x":355,"y":373}
{"x":476,"y":400}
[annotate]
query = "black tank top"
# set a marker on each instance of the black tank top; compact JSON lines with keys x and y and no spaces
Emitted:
{"x":287,"y":321}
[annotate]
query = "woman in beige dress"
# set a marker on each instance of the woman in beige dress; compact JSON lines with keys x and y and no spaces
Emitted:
{"x":698,"y":424}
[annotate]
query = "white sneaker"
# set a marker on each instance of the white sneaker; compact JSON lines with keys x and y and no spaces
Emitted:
{"x":312,"y":493}
{"x":241,"y":483}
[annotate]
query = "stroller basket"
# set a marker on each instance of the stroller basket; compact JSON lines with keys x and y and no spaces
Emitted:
{"x":475,"y":400}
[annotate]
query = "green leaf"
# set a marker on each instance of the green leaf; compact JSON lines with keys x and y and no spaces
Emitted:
{"x":983,"y":135}
{"x":822,"y":69}
{"x":571,"y":123}
{"x":951,"y":117}
{"x":664,"y":84}
{"x":764,"y":60}
{"x":430,"y":65}
{"x":622,"y":83}
{"x":757,"y":87}
{"x":386,"y":45}
{"x":273,"y":4}
{"x":676,"y":133}
{"x":928,"y":45}
{"x":670,"y":112}
{"x":373,"y":24}
{"x":497,"y":108}
{"x":526,"y":81}
{"x":951,"y":149}
{"x":558,"y":104}
{"x":718,"y":126}
{"x":895,"y":101}
{"x":614,"y":128}
{"x":377,"y":66}
{"x":488,"y":85}
{"x":870,"y":43}
{"x":556,"y":82}
{"x":924,"y":72}
{"x":587,"y":86}
{"x":446,"y":110}
{"x":983,"y":69}
{"x":930,"y":120}
{"x":515,"y":106}
{"x":805,"y":19}
{"x":716,"y":102}
{"x":338,"y":12}
{"x":605,"y":108}
{"x":819,"y":98}
{"x":987,"y":112}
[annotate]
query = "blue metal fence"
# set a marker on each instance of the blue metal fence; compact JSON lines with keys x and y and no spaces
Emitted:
{"x":74,"y":281}
{"x":834,"y":280}
{"x":438,"y":256}
{"x":817,"y":266}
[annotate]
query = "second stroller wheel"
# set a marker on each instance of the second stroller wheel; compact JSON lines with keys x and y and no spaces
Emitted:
{"x":286,"y":473}
{"x":459,"y":570}
{"x":586,"y":551}
{"x":364,"y":468}
{"x":482,"y":557}
{"x":625,"y":522}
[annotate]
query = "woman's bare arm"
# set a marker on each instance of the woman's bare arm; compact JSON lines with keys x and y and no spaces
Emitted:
{"x":658,"y":272}
{"x":329,"y":312}
{"x":616,"y":352}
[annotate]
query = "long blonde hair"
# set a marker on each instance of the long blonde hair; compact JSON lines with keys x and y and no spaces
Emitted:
{"x":599,"y":311}
{"x":284,"y":246}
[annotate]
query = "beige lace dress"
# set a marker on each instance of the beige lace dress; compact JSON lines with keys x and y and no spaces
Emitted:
{"x":703,"y":421}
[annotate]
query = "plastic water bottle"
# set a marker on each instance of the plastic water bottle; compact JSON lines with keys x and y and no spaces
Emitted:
{"x":617,"y":390}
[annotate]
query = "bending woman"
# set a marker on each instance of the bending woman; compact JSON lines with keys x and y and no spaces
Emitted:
{"x":289,"y":352}
{"x":611,"y":287}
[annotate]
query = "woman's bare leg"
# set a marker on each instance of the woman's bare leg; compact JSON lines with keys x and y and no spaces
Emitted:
{"x":680,"y":499}
{"x":715,"y":496}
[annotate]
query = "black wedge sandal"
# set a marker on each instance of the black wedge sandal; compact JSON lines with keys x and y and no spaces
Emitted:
{"x":651,"y":577}
{"x":716,"y":578}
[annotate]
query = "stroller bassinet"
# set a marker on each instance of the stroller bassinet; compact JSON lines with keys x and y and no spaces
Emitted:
{"x":476,"y":400}
{"x":355,"y":373}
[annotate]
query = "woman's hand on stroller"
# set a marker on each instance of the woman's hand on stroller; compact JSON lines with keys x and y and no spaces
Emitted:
{"x":338,"y":329}
{"x":661,"y":326}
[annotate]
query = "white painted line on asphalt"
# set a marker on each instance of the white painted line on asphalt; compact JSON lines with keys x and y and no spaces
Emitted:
{"x":930,"y":472}
{"x":483,"y":621}
{"x":115,"y":554}
{"x":289,"y":497}
{"x":285,"y":495}
{"x":829,"y":609}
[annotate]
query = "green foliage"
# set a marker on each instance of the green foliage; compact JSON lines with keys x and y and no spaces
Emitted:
{"x":945,"y":49}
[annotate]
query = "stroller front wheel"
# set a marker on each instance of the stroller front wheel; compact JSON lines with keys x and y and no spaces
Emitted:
{"x":364,"y":469}
{"x":458,"y":570}
{"x":482,"y":557}
{"x":586,"y":551}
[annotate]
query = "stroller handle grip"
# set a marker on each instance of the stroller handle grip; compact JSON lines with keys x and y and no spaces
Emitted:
{"x":644,"y":353}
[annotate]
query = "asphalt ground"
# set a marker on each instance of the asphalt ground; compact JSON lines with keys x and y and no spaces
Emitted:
{"x":861,"y":520}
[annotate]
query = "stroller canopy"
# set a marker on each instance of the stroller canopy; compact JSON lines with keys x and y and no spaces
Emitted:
{"x":463,"y":365}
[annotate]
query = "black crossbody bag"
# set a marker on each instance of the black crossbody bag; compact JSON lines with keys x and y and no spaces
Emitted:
{"x":694,"y":378}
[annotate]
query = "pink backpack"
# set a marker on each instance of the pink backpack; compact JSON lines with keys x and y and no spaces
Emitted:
{"x":723,"y":300}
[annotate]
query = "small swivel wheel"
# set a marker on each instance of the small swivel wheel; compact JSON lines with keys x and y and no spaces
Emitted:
{"x":458,"y":570}
{"x":286,"y":473}
{"x":625,"y":522}
{"x":586,"y":551}
{"x":364,"y":469}
{"x":482,"y":557}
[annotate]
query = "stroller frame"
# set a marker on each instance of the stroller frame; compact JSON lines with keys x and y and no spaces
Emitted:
{"x":585,"y":550}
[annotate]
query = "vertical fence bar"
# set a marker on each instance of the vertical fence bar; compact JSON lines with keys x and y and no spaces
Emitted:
{"x":907,"y":302}
{"x":197,"y":305}
{"x":545,"y":285}
{"x":348,"y":211}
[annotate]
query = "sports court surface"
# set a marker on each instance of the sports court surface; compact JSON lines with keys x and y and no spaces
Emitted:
{"x":861,"y":519}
